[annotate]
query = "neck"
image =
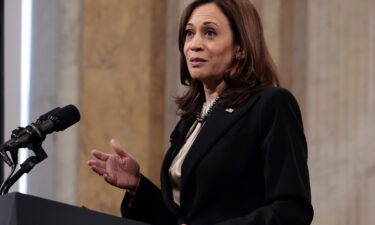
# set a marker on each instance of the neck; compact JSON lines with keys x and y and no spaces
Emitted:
{"x":213,"y":90}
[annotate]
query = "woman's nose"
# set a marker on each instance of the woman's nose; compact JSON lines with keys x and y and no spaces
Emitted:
{"x":196,"y":43}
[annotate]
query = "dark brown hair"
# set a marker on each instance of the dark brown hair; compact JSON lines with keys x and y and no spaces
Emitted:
{"x":254,"y":69}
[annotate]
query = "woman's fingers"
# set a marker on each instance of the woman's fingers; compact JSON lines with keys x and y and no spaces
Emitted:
{"x":98,"y":170}
{"x":100,"y":155}
{"x":117,"y":148}
{"x":96,"y":163}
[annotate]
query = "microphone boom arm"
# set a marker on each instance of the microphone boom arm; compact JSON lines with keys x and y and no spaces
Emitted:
{"x":26,"y":166}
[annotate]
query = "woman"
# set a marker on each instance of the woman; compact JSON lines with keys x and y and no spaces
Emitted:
{"x":238,"y":155}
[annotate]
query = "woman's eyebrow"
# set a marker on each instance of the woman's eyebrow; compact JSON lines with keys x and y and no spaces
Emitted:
{"x":209,"y":23}
{"x":204,"y":23}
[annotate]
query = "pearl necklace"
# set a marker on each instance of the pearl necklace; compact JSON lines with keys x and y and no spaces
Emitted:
{"x":201,"y":116}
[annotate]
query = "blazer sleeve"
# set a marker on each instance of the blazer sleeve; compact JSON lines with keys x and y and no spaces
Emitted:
{"x":284,"y":148}
{"x":147,"y":205}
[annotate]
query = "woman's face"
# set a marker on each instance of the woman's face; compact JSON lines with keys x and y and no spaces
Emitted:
{"x":208,"y":48}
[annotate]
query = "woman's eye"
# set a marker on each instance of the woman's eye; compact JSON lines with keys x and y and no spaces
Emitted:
{"x":188,"y":33}
{"x":210,"y":33}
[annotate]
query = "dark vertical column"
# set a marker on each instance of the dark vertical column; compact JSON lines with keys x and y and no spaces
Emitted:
{"x":1,"y":82}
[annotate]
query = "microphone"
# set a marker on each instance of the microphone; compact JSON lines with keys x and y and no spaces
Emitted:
{"x":55,"y":120}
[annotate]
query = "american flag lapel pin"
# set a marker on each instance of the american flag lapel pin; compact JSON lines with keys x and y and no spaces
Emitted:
{"x":230,"y":110}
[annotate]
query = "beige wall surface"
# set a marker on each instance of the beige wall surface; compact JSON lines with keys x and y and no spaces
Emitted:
{"x":341,"y":110}
{"x":123,"y":64}
{"x":325,"y":53}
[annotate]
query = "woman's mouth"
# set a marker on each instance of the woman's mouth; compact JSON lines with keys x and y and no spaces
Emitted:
{"x":197,"y":62}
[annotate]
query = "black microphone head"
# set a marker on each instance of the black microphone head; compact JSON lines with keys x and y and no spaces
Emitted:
{"x":65,"y":117}
{"x":46,"y":115}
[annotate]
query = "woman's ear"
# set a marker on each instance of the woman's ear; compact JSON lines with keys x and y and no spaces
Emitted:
{"x":239,"y":53}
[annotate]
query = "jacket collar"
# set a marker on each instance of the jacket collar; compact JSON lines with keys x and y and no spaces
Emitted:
{"x":176,"y":139}
{"x":216,"y":125}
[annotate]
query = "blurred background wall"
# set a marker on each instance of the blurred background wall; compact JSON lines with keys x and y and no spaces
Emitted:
{"x":42,"y":71}
{"x":325,"y":53}
{"x":117,"y":60}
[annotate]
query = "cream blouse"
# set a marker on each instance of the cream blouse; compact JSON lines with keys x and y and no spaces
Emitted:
{"x":175,"y":168}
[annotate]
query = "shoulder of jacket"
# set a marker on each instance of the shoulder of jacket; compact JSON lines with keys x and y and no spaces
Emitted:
{"x":272,"y":94}
{"x":270,"y":90}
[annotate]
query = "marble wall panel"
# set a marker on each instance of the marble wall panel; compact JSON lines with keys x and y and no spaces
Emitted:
{"x":324,"y":51}
{"x":123,"y":66}
{"x":68,"y":78}
{"x":340,"y":107}
{"x":173,"y":88}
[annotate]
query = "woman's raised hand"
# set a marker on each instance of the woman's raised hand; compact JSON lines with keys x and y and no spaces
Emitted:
{"x":119,"y":169}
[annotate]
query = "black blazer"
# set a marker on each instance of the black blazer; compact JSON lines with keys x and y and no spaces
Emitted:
{"x":248,"y":165}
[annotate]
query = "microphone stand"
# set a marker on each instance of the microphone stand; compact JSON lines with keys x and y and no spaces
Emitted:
{"x":27,"y":165}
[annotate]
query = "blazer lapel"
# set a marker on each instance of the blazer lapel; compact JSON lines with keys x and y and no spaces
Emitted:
{"x":216,"y":125}
{"x":176,"y":140}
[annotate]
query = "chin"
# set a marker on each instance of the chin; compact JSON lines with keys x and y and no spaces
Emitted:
{"x":199,"y":77}
{"x":197,"y":74}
